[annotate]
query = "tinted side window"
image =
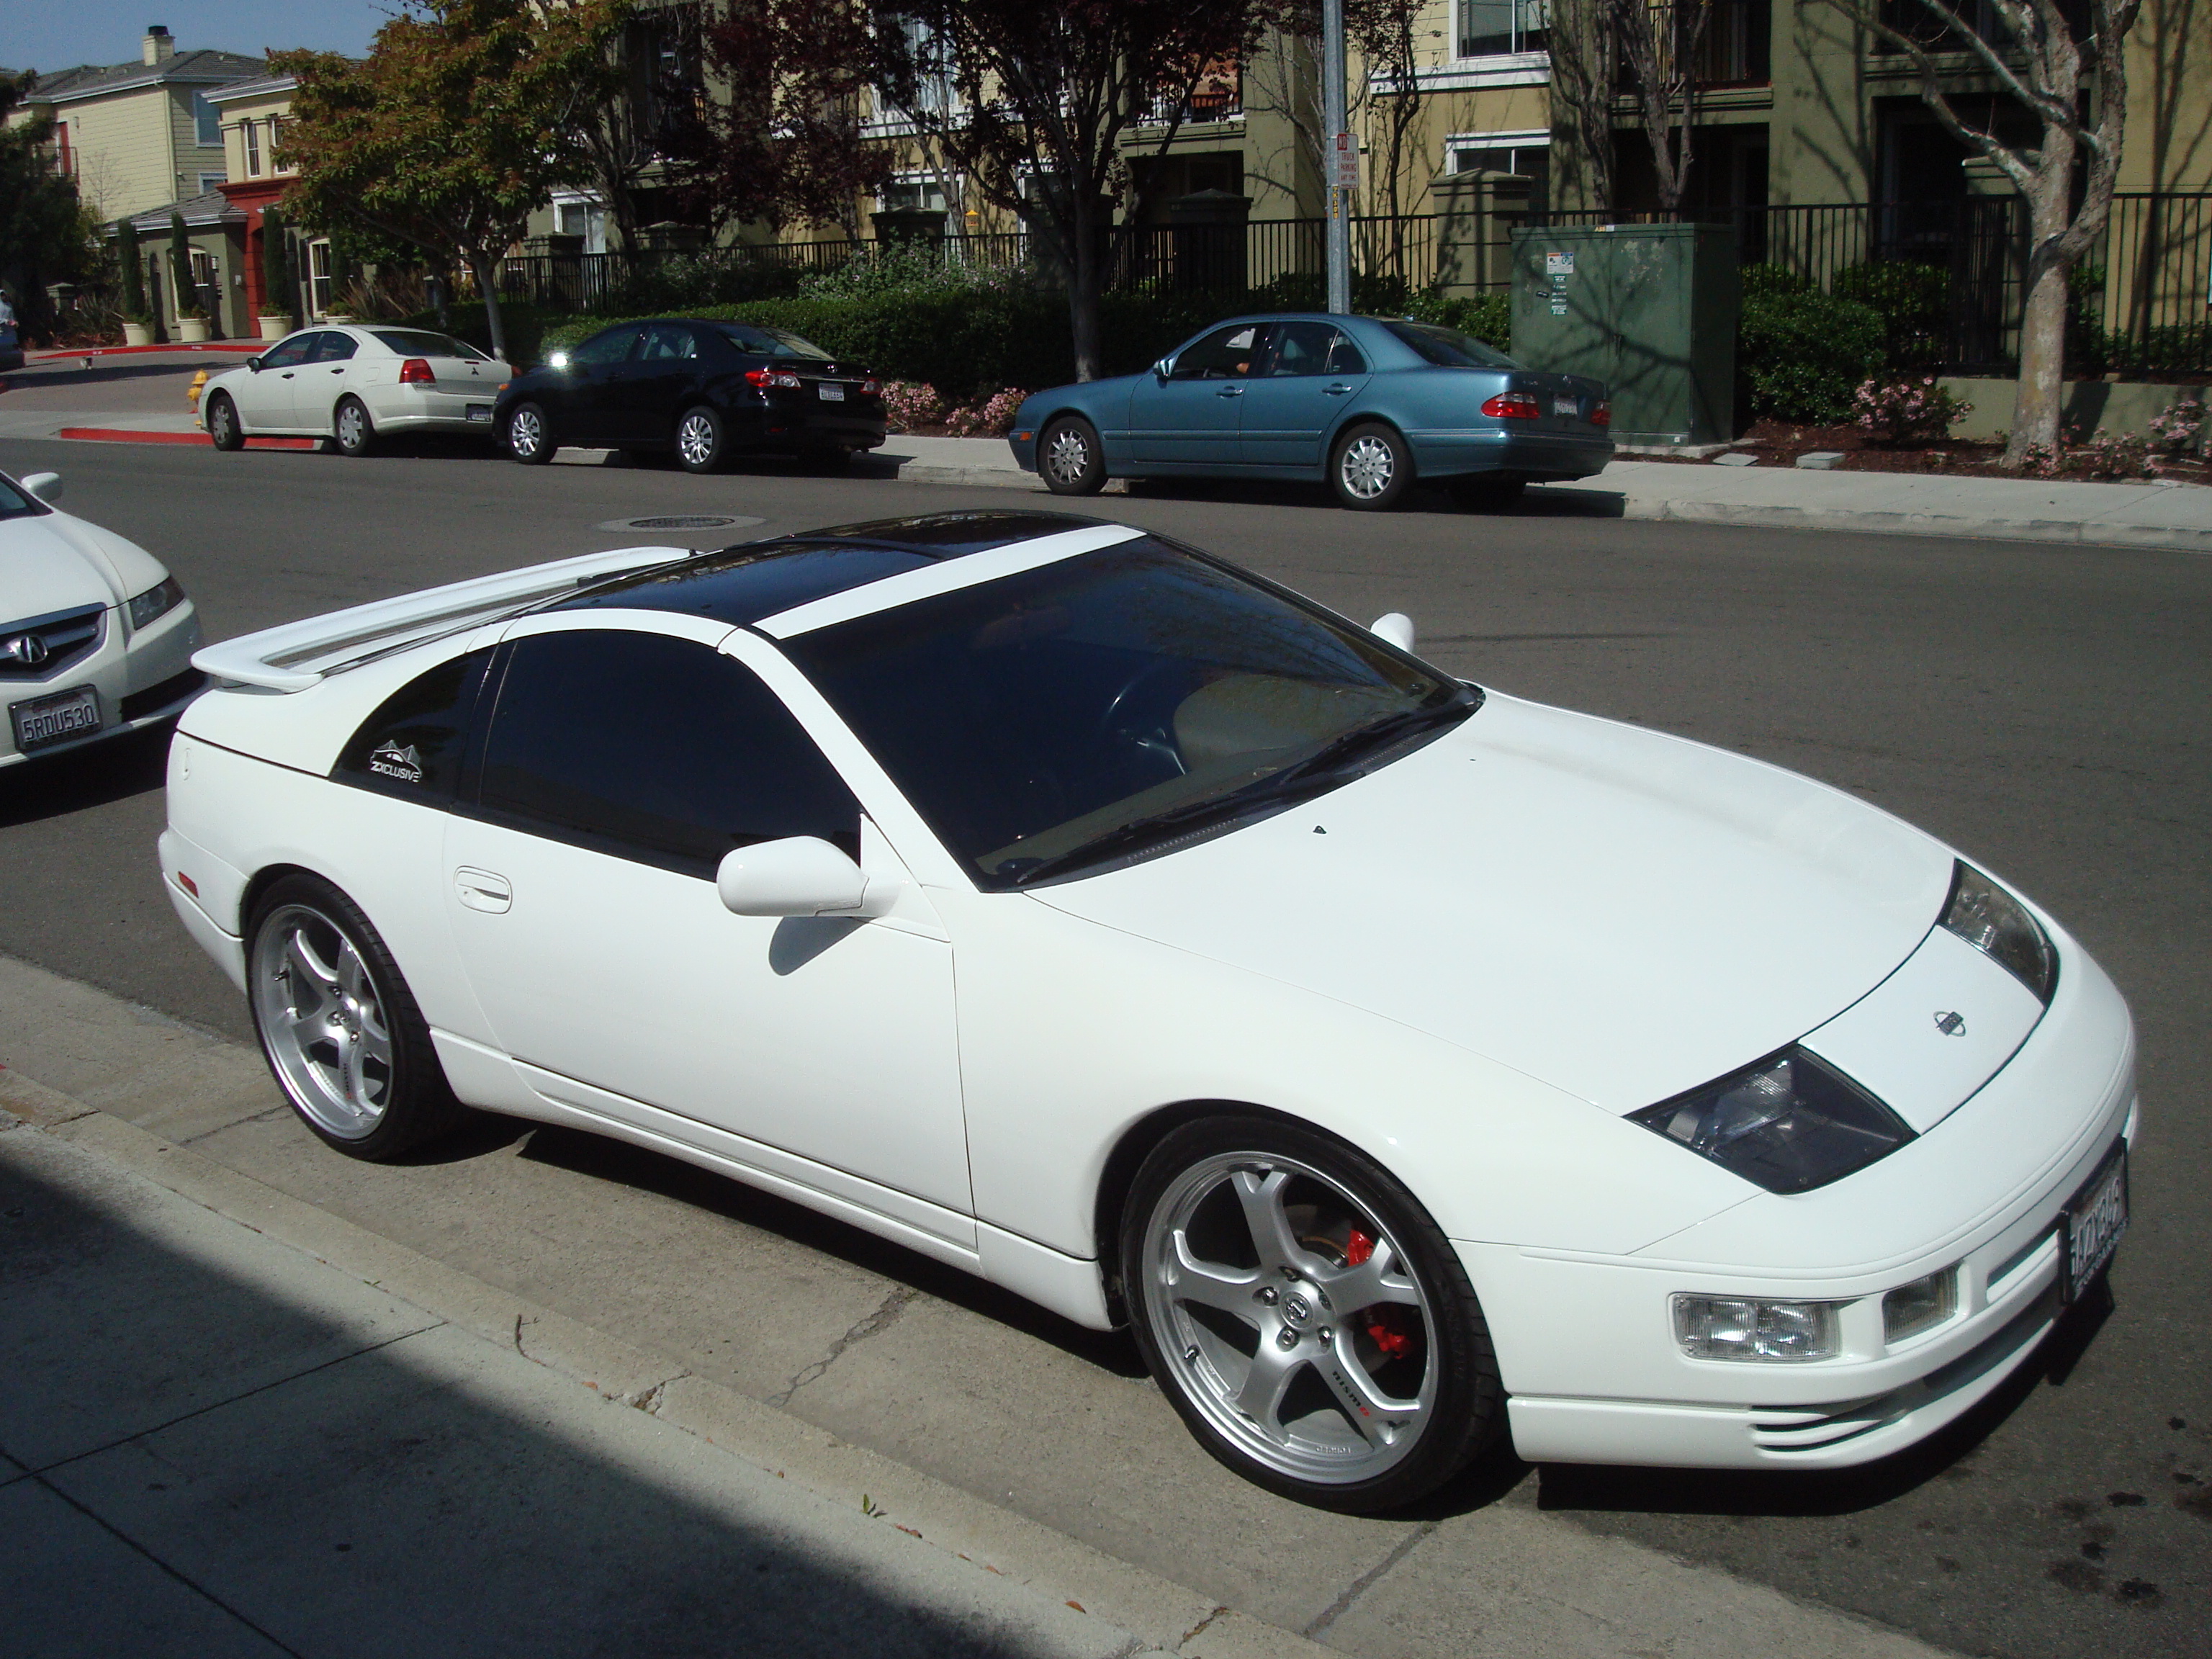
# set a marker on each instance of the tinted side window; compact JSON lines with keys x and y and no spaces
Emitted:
{"x":1344,"y":357}
{"x":291,"y":353}
{"x":335,"y":348}
{"x":411,"y":746}
{"x":664,"y":341}
{"x":1227,"y":354}
{"x":1300,"y":348}
{"x":653,"y":749}
{"x":610,"y":347}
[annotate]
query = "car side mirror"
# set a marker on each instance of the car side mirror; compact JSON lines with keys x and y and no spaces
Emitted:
{"x":254,"y":363}
{"x":798,"y":876}
{"x":1395,"y":628}
{"x":1163,"y":371}
{"x":46,"y":486}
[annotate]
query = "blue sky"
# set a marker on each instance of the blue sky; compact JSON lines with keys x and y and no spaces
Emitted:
{"x":43,"y":34}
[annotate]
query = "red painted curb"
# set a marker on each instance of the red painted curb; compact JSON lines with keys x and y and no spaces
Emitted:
{"x":114,"y":435}
{"x":248,"y":346}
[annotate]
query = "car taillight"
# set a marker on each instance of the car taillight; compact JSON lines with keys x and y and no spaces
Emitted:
{"x":415,"y":370}
{"x":765,"y":378}
{"x":872,"y":388}
{"x":1602,"y":415}
{"x":1511,"y":406}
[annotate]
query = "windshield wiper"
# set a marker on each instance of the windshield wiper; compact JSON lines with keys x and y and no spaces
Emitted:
{"x":1309,"y":776}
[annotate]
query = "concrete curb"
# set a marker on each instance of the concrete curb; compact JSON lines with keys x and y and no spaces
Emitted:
{"x":1164,"y":1616}
{"x":2063,"y":532}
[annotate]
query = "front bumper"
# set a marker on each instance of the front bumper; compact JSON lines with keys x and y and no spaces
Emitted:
{"x":1585,"y":1343}
{"x":141,"y":678}
{"x":1538,"y":456}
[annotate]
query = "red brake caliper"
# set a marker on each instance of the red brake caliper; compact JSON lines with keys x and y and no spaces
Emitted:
{"x":1382,"y":1319}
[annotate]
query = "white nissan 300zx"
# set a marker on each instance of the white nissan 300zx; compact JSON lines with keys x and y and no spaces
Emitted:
{"x":1405,"y":1064}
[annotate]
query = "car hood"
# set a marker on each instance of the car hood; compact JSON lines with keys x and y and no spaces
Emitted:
{"x":55,"y":562}
{"x":1619,"y":914}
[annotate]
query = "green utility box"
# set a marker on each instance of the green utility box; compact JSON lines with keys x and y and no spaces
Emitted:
{"x":1649,"y":309}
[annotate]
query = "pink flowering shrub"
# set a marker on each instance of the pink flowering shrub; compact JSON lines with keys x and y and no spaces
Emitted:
{"x":2174,"y":433}
{"x":1900,"y":412}
{"x":910,"y":404}
{"x":993,"y":418}
{"x":2107,"y":457}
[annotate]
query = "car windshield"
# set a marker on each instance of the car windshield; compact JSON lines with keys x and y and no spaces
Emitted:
{"x":17,"y":503}
{"x":771,"y":342}
{"x":420,"y":342}
{"x":1447,"y":348}
{"x":1116,"y":705}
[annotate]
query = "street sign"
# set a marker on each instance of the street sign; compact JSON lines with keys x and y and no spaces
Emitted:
{"x":1344,"y":163}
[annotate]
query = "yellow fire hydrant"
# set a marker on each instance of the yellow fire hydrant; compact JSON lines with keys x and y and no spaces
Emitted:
{"x":192,"y":397}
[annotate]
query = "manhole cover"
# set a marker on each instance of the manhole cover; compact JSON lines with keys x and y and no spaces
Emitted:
{"x":680,"y":521}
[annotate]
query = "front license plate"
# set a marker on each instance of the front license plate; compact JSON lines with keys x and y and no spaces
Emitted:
{"x":1565,"y":408}
{"x":2094,"y":1221}
{"x":832,"y":394}
{"x":480,"y":412}
{"x":43,"y":720}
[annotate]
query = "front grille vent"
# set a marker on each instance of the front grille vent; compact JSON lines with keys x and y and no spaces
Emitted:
{"x":39,"y":647}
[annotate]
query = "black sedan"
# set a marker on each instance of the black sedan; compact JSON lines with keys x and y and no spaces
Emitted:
{"x":705,"y":390}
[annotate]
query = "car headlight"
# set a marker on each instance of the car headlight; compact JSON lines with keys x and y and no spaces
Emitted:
{"x":1790,"y":1123}
{"x":1998,"y":924}
{"x":1746,"y":1327}
{"x":156,"y":602}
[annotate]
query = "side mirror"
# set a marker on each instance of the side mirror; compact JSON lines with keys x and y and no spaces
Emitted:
{"x":1395,"y":628}
{"x":254,"y":363}
{"x":1162,"y":370}
{"x":46,"y":486}
{"x":798,"y":876}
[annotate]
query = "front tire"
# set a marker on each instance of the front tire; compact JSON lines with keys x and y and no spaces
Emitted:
{"x":223,"y":429}
{"x":529,"y":435}
{"x":1311,"y":1324}
{"x":701,"y":442}
{"x":1069,"y":458}
{"x":1370,"y":467}
{"x":355,"y":432}
{"x":338,"y":1026}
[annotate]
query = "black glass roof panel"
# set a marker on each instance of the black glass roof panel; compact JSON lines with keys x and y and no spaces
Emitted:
{"x":744,"y":584}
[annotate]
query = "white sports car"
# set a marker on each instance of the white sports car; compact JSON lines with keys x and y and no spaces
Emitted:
{"x":96,"y":638}
{"x":1403,"y":1062}
{"x":350,"y":384}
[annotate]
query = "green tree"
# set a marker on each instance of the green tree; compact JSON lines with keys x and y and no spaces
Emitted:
{"x":457,"y":125}
{"x":44,"y":234}
{"x":131,"y":269}
{"x":181,"y":285}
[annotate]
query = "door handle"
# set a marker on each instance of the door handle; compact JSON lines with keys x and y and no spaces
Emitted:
{"x":340,"y":369}
{"x":1336,"y":391}
{"x":1230,"y":392}
{"x":480,"y":890}
{"x":287,"y":373}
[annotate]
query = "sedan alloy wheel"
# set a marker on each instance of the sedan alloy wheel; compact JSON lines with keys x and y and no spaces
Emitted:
{"x":1068,"y":457}
{"x":699,"y":441}
{"x":528,"y":438}
{"x":357,"y":434}
{"x":1370,"y":468}
{"x":223,"y":424}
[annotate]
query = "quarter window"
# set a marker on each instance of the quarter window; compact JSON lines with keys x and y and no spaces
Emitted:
{"x":411,"y":746}
{"x":654,"y":748}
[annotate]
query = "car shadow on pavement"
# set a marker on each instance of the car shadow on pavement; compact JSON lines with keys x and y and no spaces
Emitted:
{"x":95,"y":775}
{"x":1545,"y":502}
{"x":210,"y":1447}
{"x":601,"y":1159}
{"x":1944,"y":1456}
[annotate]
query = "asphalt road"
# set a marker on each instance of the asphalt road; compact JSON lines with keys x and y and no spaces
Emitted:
{"x":2047,"y":710}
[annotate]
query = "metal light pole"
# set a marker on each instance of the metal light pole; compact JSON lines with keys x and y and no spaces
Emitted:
{"x":1340,"y":159}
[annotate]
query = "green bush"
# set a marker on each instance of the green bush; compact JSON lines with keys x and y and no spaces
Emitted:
{"x":526,"y":325}
{"x":1914,"y":303}
{"x":1801,"y":354}
{"x":1488,"y":317}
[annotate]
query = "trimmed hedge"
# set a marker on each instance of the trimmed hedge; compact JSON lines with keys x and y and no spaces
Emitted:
{"x":1801,"y":354}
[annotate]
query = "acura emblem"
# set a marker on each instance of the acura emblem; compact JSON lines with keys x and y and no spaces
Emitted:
{"x":26,"y":648}
{"x":1950,"y":1024}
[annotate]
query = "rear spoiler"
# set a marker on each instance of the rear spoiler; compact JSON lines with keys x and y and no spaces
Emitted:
{"x":299,"y":654}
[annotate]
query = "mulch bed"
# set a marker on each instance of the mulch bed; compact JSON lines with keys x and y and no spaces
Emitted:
{"x":1779,"y":443}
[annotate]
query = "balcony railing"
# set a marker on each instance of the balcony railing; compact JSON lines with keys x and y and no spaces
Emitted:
{"x":1215,"y":98}
{"x":1735,"y":50}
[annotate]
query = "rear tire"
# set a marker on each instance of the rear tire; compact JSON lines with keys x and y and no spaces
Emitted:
{"x":1069,"y":458}
{"x":339,"y":1028}
{"x":355,"y":433}
{"x":528,"y":435}
{"x":1305,"y":1315}
{"x":702,"y":441}
{"x":223,"y":429}
{"x":1370,"y":467}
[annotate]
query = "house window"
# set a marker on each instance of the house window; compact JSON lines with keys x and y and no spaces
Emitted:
{"x":319,"y":278}
{"x":252,"y":133}
{"x":911,"y":192}
{"x":1490,"y":28}
{"x":210,"y":181}
{"x":587,"y":220}
{"x":208,"y":120}
{"x":932,"y":62}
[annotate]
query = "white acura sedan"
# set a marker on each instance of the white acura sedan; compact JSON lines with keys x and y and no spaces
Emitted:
{"x":1405,"y":1063}
{"x":96,"y":638}
{"x":350,"y":384}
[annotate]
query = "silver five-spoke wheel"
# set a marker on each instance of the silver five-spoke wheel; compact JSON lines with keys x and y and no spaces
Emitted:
{"x":1287,"y":1314}
{"x":322,"y":1022}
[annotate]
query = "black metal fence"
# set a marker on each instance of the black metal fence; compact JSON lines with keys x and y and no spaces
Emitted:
{"x":2142,"y":301}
